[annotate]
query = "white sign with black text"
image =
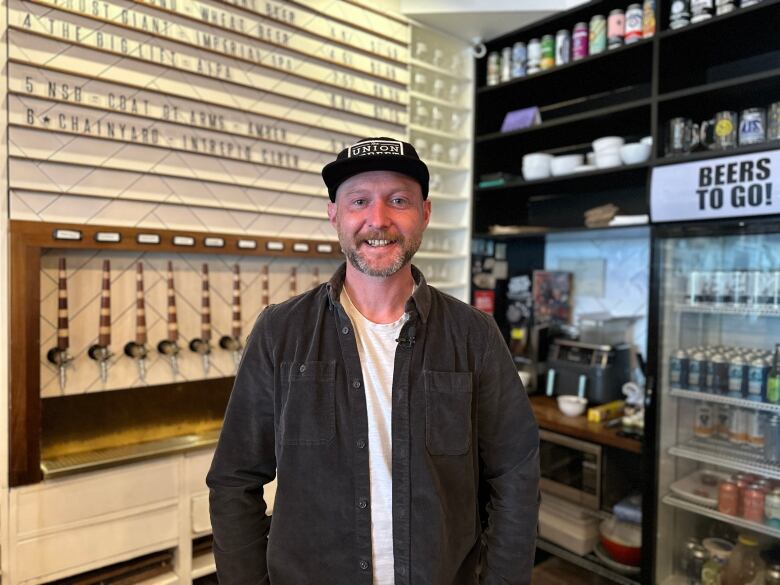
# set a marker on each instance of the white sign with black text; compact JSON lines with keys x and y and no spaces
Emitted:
{"x":734,"y":186}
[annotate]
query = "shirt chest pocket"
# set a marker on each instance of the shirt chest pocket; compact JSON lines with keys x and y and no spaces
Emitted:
{"x":308,"y":413}
{"x":447,"y":412}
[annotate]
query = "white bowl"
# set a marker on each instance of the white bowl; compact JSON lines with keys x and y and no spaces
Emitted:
{"x":534,"y":173}
{"x":535,"y":159}
{"x":565,"y":164}
{"x":572,"y":405}
{"x":584,"y":168}
{"x":635,"y":152}
{"x":607,"y":161}
{"x":647,"y":140}
{"x":607,"y":142}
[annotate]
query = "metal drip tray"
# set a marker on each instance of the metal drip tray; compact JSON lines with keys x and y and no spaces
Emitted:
{"x":113,"y":456}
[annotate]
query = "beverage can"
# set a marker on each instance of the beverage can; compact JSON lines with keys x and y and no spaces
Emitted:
{"x":697,"y":370}
{"x":698,"y":556}
{"x":678,"y":369}
{"x":519,"y":58}
{"x":648,"y":19}
{"x":728,"y":498}
{"x":718,"y":376}
{"x":506,"y":64}
{"x":773,"y":383}
{"x":752,"y":126}
{"x":772,"y":509}
{"x":562,"y":47}
{"x":548,"y":52}
{"x":753,"y":501}
{"x":579,"y":42}
{"x":633,"y":29}
{"x":493,"y":68}
{"x":680,"y":14}
{"x":722,"y":421}
{"x":616,"y":28}
{"x":739,"y":284}
{"x":738,"y":382}
{"x":701,"y":10}
{"x":755,"y":429}
{"x":705,"y":421}
{"x":534,"y":50}
{"x":597,"y":34}
{"x":758,"y":376}
{"x":772,"y":440}
{"x":723,"y":287}
{"x":693,"y":293}
{"x":738,"y":426}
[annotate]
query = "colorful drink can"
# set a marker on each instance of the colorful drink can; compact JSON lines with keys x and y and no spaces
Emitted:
{"x":597,"y":35}
{"x":753,"y":501}
{"x":728,"y":498}
{"x":562,"y":47}
{"x":519,"y":58}
{"x":633,"y":30}
{"x":648,"y":19}
{"x":493,"y":68}
{"x":534,"y":56}
{"x":548,"y":52}
{"x":616,"y":28}
{"x":579,"y":43}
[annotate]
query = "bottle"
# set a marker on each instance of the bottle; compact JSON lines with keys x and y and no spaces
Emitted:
{"x":720,"y":551}
{"x":773,"y":384}
{"x":744,"y":563}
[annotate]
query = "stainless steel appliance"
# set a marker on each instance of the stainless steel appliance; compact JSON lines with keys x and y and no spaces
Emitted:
{"x":570,"y":469}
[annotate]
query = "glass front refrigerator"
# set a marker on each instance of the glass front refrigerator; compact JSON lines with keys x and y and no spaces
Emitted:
{"x":714,"y":408}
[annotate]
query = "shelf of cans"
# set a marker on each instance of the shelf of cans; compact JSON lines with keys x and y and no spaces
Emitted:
{"x":726,"y":130}
{"x":724,"y":454}
{"x":676,"y":502}
{"x":721,"y":399}
{"x":733,"y":291}
{"x":685,"y":12}
{"x":715,"y":309}
{"x":602,"y":33}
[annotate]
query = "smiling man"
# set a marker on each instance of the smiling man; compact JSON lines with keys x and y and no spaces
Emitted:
{"x":382,"y":406}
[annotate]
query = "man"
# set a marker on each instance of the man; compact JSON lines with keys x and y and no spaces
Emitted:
{"x":380,"y":404}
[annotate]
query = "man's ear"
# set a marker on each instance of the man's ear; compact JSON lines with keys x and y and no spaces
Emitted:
{"x":332,"y":213}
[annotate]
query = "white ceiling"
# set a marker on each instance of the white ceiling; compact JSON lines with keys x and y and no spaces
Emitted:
{"x":484,"y":19}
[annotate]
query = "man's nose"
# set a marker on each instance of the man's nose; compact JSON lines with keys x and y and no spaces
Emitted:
{"x":379,"y":216}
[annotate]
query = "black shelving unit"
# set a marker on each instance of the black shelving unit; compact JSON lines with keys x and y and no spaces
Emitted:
{"x":727,"y":62}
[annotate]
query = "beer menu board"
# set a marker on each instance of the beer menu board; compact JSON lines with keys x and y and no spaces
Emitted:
{"x":191,"y":115}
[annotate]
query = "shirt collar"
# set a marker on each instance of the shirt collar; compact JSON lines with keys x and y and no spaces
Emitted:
{"x":419,"y":302}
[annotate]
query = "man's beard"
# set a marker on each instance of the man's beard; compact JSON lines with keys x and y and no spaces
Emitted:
{"x":407,"y":249}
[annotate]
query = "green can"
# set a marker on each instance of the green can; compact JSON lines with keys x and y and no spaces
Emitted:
{"x":598,"y":34}
{"x":548,"y":52}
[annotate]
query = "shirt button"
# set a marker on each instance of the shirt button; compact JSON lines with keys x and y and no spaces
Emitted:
{"x":360,"y":443}
{"x":302,"y":368}
{"x":356,"y":383}
{"x":364,"y":565}
{"x":345,"y":331}
{"x":362,"y":503}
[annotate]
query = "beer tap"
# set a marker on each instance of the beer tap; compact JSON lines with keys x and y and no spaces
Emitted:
{"x":315,"y":277}
{"x":265,"y":297}
{"x":293,"y":281}
{"x":137,"y":349}
{"x":232,"y":342}
{"x":201,"y":345}
{"x":101,"y":351}
{"x":169,"y":347}
{"x":59,"y":355}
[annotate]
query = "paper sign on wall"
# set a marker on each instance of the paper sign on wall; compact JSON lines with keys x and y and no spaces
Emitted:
{"x":734,"y":186}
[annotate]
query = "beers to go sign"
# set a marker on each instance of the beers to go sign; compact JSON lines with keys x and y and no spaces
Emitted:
{"x":725,"y":187}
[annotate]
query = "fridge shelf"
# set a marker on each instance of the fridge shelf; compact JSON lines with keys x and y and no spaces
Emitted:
{"x":590,"y":562}
{"x":720,"y":399}
{"x":723,"y":454}
{"x":710,"y":513}
{"x":711,"y":309}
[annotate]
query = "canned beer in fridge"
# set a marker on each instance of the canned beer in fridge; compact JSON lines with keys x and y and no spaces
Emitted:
{"x":678,"y":369}
{"x":753,"y":504}
{"x":738,"y":377}
{"x":697,"y":370}
{"x":758,"y":376}
{"x":755,"y":429}
{"x":718,"y":374}
{"x":738,"y":426}
{"x":723,"y":286}
{"x":739,"y":284}
{"x":772,"y":440}
{"x":704,"y":425}
{"x":728,"y":498}
{"x":722,"y":421}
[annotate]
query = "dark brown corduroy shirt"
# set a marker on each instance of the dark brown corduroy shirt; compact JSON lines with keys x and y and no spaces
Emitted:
{"x":298,"y":412}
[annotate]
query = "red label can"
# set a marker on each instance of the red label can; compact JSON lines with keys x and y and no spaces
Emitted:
{"x":728,"y":498}
{"x":579,"y":41}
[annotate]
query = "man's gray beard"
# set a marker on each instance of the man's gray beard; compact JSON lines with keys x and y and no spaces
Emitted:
{"x":354,"y":258}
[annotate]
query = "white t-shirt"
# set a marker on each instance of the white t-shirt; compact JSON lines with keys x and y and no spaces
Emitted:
{"x":377,"y":344}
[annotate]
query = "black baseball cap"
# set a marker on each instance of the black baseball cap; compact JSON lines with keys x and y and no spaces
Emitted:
{"x":375,"y":154}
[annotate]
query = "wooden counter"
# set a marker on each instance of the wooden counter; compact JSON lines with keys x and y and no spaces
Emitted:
{"x":549,"y":417}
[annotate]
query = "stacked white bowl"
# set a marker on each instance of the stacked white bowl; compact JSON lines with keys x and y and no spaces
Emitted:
{"x":607,"y":151}
{"x":536,"y":165}
{"x":565,"y":164}
{"x":636,"y":152}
